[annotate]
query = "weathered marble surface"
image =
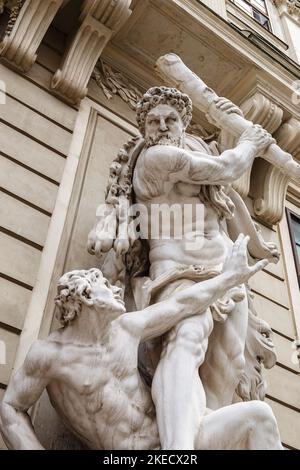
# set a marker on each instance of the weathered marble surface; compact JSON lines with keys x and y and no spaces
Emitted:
{"x":90,"y":369}
{"x":194,"y":312}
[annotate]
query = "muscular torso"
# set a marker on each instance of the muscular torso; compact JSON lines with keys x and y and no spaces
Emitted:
{"x":154,"y":184}
{"x":100,"y":398}
{"x":205,"y":241}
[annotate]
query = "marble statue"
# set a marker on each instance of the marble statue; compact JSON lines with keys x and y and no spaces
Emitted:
{"x":184,"y":370}
{"x":90,"y":369}
{"x":171,"y":68}
{"x":168,"y":166}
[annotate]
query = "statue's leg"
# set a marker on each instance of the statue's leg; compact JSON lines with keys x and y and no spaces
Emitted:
{"x":177,"y":390}
{"x":224,"y":360}
{"x":248,"y":425}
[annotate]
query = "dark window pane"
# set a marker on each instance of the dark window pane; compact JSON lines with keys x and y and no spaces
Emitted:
{"x":263,"y":20}
{"x":298,"y":252}
{"x":296,"y":229}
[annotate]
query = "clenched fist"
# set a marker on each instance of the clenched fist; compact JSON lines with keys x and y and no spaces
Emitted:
{"x":258,"y":137}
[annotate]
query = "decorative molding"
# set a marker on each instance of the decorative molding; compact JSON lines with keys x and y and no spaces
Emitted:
{"x":269,"y":190}
{"x":288,"y":137}
{"x":2,"y":6}
{"x":10,"y":4}
{"x":269,"y":183}
{"x":100,"y":20}
{"x":291,"y":7}
{"x":279,"y":92}
{"x":115,"y":83}
{"x":260,"y":110}
{"x":15,"y":9}
{"x":26,"y":30}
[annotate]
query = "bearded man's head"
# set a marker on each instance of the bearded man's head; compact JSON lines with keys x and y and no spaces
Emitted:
{"x":163,"y":114}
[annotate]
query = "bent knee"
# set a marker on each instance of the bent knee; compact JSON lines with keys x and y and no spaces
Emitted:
{"x":262,"y":410}
{"x":263,"y":425}
{"x":261,"y":415}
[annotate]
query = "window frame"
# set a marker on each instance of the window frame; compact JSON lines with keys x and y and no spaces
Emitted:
{"x":257,"y":9}
{"x":289,"y":216}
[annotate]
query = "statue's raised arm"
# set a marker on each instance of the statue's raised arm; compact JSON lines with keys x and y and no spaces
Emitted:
{"x":171,"y":68}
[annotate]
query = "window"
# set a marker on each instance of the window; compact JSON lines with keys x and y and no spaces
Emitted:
{"x":257,"y":9}
{"x":294,"y":228}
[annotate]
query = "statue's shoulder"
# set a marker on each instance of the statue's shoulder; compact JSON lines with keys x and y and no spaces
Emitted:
{"x":42,"y":355}
{"x":197,"y":143}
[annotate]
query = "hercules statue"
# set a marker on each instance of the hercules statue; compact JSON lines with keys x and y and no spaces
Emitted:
{"x":170,"y":166}
{"x":201,"y":344}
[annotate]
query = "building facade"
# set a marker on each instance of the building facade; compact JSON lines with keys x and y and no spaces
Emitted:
{"x":71,"y":75}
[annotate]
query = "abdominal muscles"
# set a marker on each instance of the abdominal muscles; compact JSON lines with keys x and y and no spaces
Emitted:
{"x":201,"y":241}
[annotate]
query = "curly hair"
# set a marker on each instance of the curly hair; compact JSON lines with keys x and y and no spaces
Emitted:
{"x":71,"y":287}
{"x":163,"y":95}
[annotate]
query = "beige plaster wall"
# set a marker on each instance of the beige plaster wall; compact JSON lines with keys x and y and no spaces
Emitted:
{"x":35,"y":135}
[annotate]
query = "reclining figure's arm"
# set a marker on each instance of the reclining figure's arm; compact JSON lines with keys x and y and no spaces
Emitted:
{"x":25,"y":388}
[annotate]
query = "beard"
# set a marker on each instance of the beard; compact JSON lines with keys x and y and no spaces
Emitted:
{"x":166,"y":139}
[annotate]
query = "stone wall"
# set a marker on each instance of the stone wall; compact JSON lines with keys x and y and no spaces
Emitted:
{"x":35,"y":135}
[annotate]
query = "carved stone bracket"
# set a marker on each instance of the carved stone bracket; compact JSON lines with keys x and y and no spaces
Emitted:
{"x":100,"y":20}
{"x":260,"y":110}
{"x":269,"y":189}
{"x":19,"y":47}
{"x":269,"y":185}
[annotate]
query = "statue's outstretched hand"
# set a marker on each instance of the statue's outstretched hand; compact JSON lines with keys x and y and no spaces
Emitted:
{"x":236,"y":265}
{"x":101,"y":237}
{"x":271,"y":251}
